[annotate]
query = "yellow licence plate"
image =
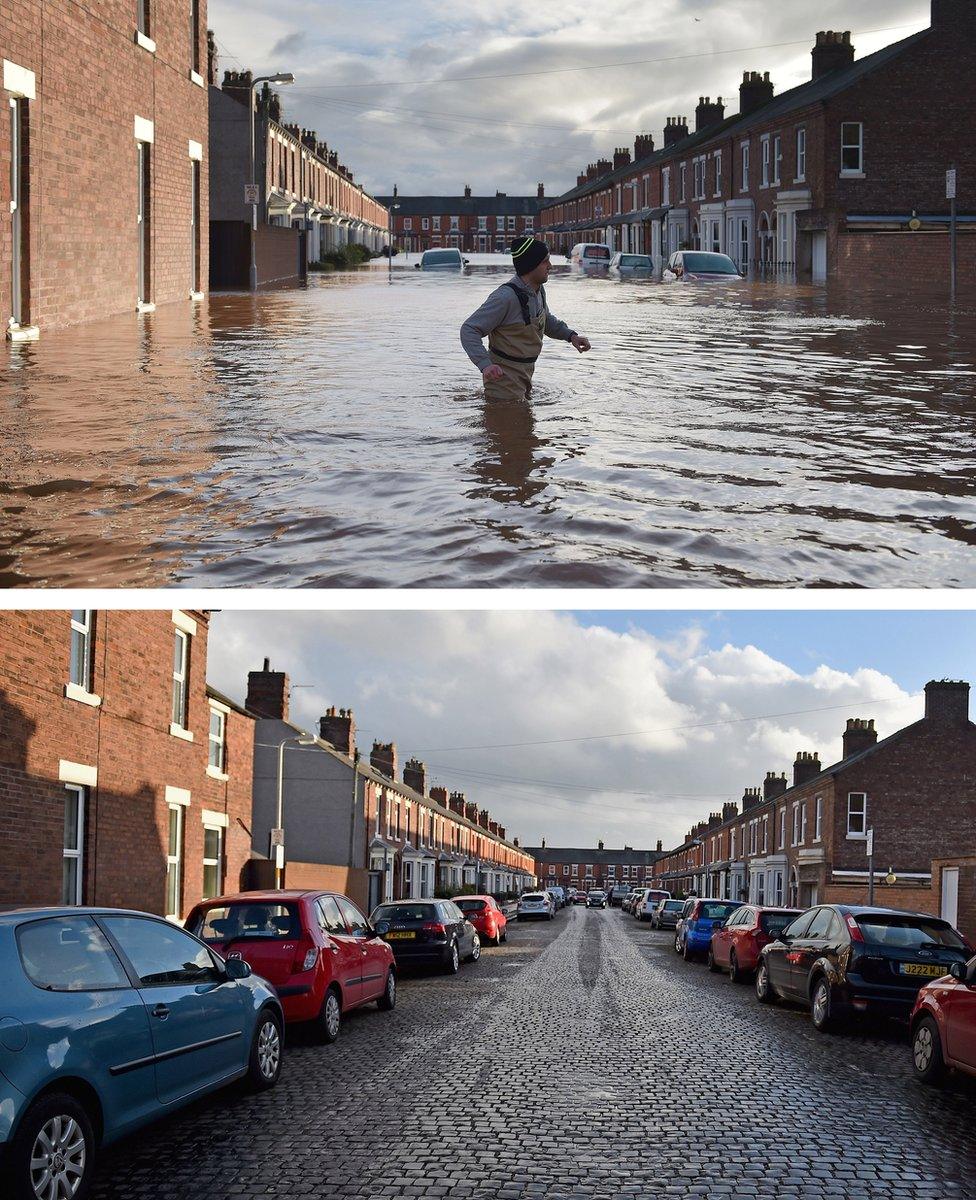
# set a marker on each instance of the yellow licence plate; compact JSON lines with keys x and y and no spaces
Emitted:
{"x":391,"y":936}
{"x":923,"y":969}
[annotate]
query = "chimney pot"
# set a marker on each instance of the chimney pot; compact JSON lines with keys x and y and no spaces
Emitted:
{"x":339,"y":730}
{"x":832,"y":52}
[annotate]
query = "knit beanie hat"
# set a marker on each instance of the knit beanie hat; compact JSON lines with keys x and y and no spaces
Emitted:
{"x":527,"y":254}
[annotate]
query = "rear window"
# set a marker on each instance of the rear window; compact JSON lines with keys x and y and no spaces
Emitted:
{"x":254,"y":921}
{"x":717,"y":912}
{"x":775,"y":923}
{"x":634,"y":260}
{"x":709,"y":264}
{"x":405,"y":912}
{"x":597,"y":252}
{"x":907,"y":932}
{"x":533,"y":896}
{"x":674,"y":905}
{"x":69,"y":954}
{"x":471,"y":906}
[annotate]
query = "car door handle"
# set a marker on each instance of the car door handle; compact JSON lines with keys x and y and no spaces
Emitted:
{"x":161,"y":1011}
{"x":334,"y":948}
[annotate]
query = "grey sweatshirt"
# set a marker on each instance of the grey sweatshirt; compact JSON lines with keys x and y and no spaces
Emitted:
{"x":502,"y":308}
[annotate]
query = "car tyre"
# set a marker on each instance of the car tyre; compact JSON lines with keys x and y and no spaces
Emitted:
{"x":711,"y":963}
{"x":387,"y":1002}
{"x":677,"y":944}
{"x":330,"y":1017}
{"x":822,"y":1006}
{"x":264,"y":1063}
{"x":60,"y":1122}
{"x":503,"y":935}
{"x":475,"y":949}
{"x":686,"y":952}
{"x":927,"y":1058}
{"x":453,"y":961}
{"x":735,"y":971}
{"x":765,"y":992}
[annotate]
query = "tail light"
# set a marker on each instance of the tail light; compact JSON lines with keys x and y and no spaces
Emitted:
{"x":854,"y":930}
{"x":434,"y":927}
{"x":305,"y":959}
{"x":761,"y":938}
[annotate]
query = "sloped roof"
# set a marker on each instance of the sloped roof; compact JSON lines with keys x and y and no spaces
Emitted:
{"x":465,"y":206}
{"x":588,"y":854}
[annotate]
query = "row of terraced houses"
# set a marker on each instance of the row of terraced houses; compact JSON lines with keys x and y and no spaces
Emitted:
{"x":125,"y":779}
{"x":844,"y":174}
{"x":803,"y":840}
{"x":123,"y":168}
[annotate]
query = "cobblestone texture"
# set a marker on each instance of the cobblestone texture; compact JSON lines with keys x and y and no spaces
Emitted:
{"x":534,"y":1074}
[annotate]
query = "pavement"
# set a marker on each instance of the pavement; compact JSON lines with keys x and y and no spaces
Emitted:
{"x":582,"y":1060}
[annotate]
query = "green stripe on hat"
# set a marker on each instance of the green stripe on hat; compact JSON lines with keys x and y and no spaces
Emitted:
{"x":522,"y":249}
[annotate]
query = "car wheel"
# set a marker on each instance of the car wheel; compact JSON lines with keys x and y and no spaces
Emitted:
{"x":53,"y":1152}
{"x":711,"y":963}
{"x":686,"y":952}
{"x":822,"y":1006}
{"x":330,"y":1016}
{"x":927,"y":1057}
{"x":475,"y":949}
{"x":734,"y":973}
{"x":677,"y":944}
{"x":387,"y":1002}
{"x":503,"y":936}
{"x":453,"y":960}
{"x":264,"y":1065}
{"x":765,"y":993}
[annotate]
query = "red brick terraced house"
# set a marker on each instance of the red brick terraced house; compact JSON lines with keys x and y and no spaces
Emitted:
{"x":845,"y":174}
{"x":472,"y":224}
{"x":365,"y":828}
{"x":585,"y":868}
{"x":803,"y":841}
{"x":124,"y":779}
{"x":103,"y":148}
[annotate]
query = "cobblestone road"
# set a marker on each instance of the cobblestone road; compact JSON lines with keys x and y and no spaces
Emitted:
{"x":537,"y":1072}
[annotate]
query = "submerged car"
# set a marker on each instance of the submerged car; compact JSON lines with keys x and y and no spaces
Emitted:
{"x":700,"y":266}
{"x":112,"y":1019}
{"x":441,"y":260}
{"x":316,"y":949}
{"x":590,"y":256}
{"x":427,"y":933}
{"x":632,"y":264}
{"x":844,"y":960}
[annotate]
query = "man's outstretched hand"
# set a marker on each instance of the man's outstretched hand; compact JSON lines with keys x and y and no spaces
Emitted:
{"x":492,"y":373}
{"x":582,"y":344}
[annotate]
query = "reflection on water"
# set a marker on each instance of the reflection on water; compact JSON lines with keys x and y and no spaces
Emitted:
{"x":337,"y":436}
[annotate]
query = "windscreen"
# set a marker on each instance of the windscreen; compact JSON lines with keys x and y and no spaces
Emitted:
{"x":674,"y":905}
{"x":634,"y":260}
{"x":709,"y":264}
{"x":908,"y":932}
{"x":717,"y":912}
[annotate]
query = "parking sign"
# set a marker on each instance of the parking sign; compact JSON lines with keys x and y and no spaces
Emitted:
{"x":951,"y":184}
{"x":251,"y":193}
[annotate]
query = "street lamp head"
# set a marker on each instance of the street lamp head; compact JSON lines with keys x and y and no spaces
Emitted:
{"x":283,"y":77}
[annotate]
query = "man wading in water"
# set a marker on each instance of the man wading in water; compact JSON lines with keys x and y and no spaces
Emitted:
{"x":514,"y":319}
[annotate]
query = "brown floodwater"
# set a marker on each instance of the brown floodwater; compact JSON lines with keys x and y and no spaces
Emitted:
{"x":336,"y":436}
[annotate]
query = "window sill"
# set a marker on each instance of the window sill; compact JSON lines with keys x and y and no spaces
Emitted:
{"x":197,"y":78}
{"x":145,"y":42}
{"x":857,"y":837}
{"x":143,"y":306}
{"x":852,"y":175}
{"x":215,"y":774}
{"x":178,"y":731}
{"x":73,"y":692}
{"x":800,"y":179}
{"x":196,"y":296}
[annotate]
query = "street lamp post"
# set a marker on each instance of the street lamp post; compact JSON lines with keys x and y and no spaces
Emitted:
{"x":303,"y":739}
{"x":389,"y":257}
{"x":282,"y":78}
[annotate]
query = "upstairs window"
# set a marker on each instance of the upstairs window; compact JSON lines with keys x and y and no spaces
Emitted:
{"x":765,"y":161}
{"x":801,"y":155}
{"x":745,"y":167}
{"x":777,"y":159}
{"x":852,"y":148}
{"x":217,"y":740}
{"x":81,"y":645}
{"x":181,"y":662}
{"x":718,"y":172}
{"x":857,"y":814}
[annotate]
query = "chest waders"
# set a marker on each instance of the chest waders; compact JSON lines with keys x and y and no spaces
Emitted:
{"x":515,"y":348}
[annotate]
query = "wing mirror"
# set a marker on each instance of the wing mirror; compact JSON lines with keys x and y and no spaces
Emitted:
{"x":958,"y":970}
{"x":237,"y":968}
{"x":381,"y":928}
{"x":416,"y":266}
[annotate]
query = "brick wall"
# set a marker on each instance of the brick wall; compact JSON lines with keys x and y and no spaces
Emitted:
{"x":92,"y":81}
{"x":277,"y":254}
{"x":127,"y":740}
{"x":907,"y":256}
{"x":348,"y":881}
{"x":966,"y":920}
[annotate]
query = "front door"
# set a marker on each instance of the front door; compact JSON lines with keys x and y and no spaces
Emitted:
{"x":950,"y":896}
{"x":18,"y":109}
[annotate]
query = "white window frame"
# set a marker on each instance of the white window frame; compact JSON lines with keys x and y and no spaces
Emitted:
{"x":801,"y":155}
{"x":219,"y":768}
{"x":718,"y":172}
{"x":437,"y":223}
{"x":764,"y":142}
{"x":765,"y":835}
{"x":745,"y":152}
{"x":796,"y":824}
{"x":858,"y":171}
{"x":803,"y":823}
{"x":612,"y":869}
{"x":84,"y":629}
{"x":753,"y":837}
{"x":77,"y":852}
{"x":408,"y":223}
{"x":217,"y":862}
{"x":818,"y":819}
{"x":666,"y":187}
{"x":683,"y":175}
{"x":862,"y":797}
{"x":181,"y":676}
{"x":511,"y":223}
{"x":174,"y":862}
{"x":565,"y":868}
{"x":782,"y":828}
{"x":425,"y":222}
{"x":777,"y":159}
{"x":732,"y":845}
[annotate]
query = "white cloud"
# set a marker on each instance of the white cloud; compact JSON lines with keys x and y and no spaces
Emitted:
{"x":440,"y":684}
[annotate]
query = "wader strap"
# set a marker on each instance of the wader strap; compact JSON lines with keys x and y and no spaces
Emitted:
{"x":512,"y":358}
{"x":524,"y":306}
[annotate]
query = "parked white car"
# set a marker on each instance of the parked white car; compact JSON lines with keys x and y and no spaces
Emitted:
{"x":647,"y":902}
{"x":448,"y":259}
{"x":700,"y":266}
{"x":590,"y":255}
{"x":539,"y":905}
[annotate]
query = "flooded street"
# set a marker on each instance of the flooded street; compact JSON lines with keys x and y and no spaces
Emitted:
{"x":337,"y":436}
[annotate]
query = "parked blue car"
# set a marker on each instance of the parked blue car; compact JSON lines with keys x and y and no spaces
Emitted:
{"x":108,"y":1020}
{"x":694,"y":932}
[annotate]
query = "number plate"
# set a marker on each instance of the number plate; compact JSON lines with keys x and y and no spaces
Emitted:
{"x":390,"y":936}
{"x":930,"y":969}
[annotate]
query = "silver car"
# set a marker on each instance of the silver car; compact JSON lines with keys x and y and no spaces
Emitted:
{"x":666,"y":915}
{"x":631,"y":264}
{"x":539,"y":905}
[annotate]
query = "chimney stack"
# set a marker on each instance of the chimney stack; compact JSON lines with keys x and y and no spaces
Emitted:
{"x":267,"y":693}
{"x":415,"y":776}
{"x":470,"y":810}
{"x":338,"y":728}
{"x":237,"y":85}
{"x":603,"y":166}
{"x":439,"y":795}
{"x":751,"y":797}
{"x":675,"y":130}
{"x":947,"y":702}
{"x":806,"y":767}
{"x":773,"y":785}
{"x":483,"y":818}
{"x":621,"y":157}
{"x":501,"y":832}
{"x":643,"y":146}
{"x":383,"y":758}
{"x":543,"y":843}
{"x":660,"y":846}
{"x":541,"y":192}
{"x":858,"y":736}
{"x":708,"y":114}
{"x":493,"y":827}
{"x":592,"y":171}
{"x":832,"y":52}
{"x":730,"y":810}
{"x":755,"y":90}
{"x":467,"y":192}
{"x":581,"y":179}
{"x":599,"y":845}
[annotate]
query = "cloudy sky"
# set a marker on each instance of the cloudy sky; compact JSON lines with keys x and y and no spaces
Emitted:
{"x":545,"y":103}
{"x":580,"y":726}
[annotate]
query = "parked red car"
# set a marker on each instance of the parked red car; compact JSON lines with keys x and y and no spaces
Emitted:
{"x":318,"y":951}
{"x":486,"y":916}
{"x":943,"y":1024}
{"x":736,"y":944}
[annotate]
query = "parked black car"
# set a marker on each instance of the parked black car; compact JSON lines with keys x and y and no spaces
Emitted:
{"x":433,"y":932}
{"x":845,"y":960}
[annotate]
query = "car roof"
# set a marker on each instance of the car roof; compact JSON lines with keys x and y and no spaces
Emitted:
{"x":15,"y":916}
{"x":857,"y":910}
{"x":473,"y":896}
{"x":271,"y":896}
